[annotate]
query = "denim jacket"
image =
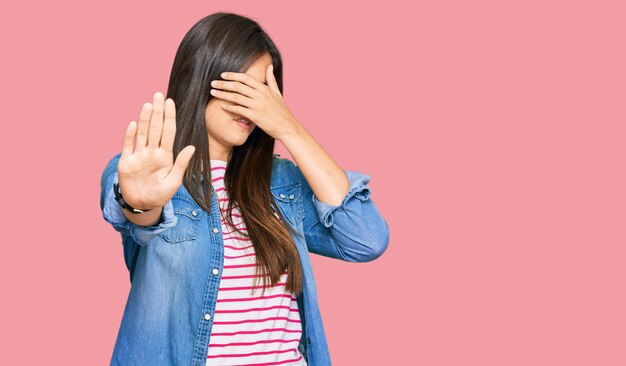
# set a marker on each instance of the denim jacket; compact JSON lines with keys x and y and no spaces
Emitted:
{"x":175,"y":266}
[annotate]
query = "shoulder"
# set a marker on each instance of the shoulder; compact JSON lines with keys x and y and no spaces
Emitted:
{"x":110,"y":168}
{"x":114,"y":159}
{"x":284,"y":171}
{"x":111,"y":165}
{"x":284,"y":164}
{"x":281,"y":161}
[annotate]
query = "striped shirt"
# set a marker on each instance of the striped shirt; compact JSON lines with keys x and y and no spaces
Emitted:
{"x":249,"y":328}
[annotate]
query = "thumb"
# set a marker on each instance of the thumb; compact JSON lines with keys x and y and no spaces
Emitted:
{"x":181,"y":164}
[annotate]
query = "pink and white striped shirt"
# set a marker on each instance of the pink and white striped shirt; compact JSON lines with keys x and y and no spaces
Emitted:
{"x":249,"y":329}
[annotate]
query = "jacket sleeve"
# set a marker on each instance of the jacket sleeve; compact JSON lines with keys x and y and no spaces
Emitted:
{"x":112,"y":211}
{"x":352,"y":231}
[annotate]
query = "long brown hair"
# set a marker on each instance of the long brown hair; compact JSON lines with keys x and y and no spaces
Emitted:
{"x":230,"y":42}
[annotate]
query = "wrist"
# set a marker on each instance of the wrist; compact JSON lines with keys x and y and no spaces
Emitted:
{"x":125,"y":205}
{"x":293,"y":133}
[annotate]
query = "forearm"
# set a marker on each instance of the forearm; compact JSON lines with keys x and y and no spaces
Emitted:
{"x":327,"y":179}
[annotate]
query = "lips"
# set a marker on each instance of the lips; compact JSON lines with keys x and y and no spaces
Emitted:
{"x":244,"y":120}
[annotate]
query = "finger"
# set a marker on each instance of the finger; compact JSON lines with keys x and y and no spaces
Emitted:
{"x":142,"y":126}
{"x":181,"y":164}
{"x":271,"y":80}
{"x":244,"y":78}
{"x":129,"y":139}
{"x":156,"y":121}
{"x":242,"y":111}
{"x":233,"y":97}
{"x":169,"y":126}
{"x":234,"y":86}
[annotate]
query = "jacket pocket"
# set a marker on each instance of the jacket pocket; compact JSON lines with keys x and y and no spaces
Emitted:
{"x":188,"y":219}
{"x":289,"y":200}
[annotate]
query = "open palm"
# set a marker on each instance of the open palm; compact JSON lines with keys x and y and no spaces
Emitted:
{"x":147,"y":174}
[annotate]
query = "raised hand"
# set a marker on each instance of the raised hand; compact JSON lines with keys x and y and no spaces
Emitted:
{"x":147,"y":174}
{"x":262,"y":104}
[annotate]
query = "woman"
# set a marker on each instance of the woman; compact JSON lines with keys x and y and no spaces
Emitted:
{"x":216,"y":229}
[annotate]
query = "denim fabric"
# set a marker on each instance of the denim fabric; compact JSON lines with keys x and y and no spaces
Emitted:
{"x":175,"y":266}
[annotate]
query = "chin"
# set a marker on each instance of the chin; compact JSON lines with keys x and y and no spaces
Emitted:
{"x":239,"y":140}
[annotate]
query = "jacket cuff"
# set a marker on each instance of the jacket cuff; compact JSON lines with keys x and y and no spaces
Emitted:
{"x":113,"y":214}
{"x":359,"y":190}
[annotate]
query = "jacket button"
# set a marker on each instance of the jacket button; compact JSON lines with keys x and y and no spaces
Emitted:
{"x":207,"y":316}
{"x":194,"y":213}
{"x":216,"y":271}
{"x":216,"y":230}
{"x":291,"y":196}
{"x":282,"y":195}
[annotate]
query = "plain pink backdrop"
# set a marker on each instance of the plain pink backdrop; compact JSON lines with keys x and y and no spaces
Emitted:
{"x":493,"y":132}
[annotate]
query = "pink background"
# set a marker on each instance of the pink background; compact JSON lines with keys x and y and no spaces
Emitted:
{"x":493,"y":133}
